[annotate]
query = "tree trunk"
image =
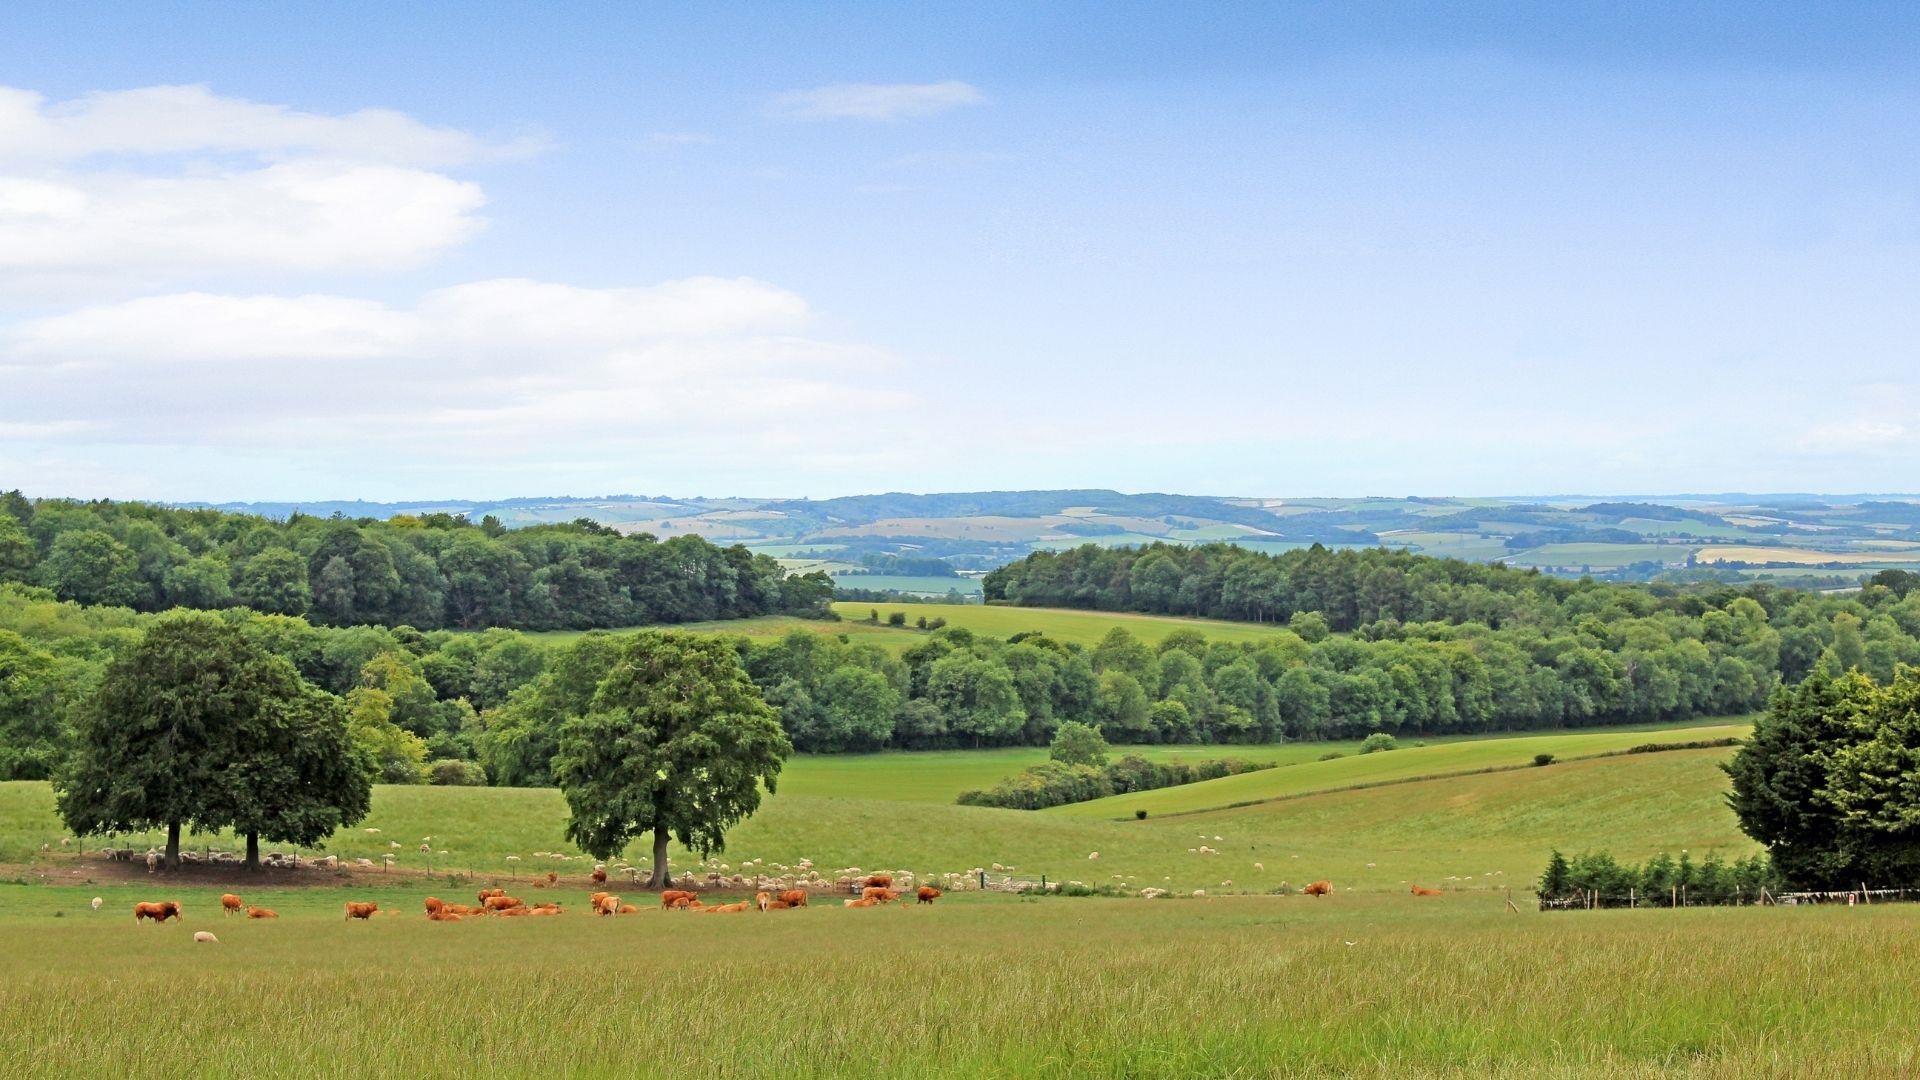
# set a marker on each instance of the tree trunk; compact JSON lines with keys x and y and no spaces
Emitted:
{"x":173,"y":845}
{"x":253,"y":851}
{"x":661,"y":879}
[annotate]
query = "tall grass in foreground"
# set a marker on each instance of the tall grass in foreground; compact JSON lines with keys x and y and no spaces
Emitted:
{"x":985,"y":986}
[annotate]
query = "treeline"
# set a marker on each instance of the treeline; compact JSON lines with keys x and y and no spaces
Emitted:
{"x":1597,"y":878}
{"x":429,"y":571}
{"x":415,"y":698}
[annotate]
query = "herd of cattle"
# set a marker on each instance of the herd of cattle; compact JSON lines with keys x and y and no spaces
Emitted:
{"x":875,"y":890}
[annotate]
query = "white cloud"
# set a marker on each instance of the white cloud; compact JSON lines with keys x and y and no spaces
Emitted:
{"x":499,"y":370}
{"x":172,"y":120}
{"x":173,"y":182}
{"x":1852,"y":435}
{"x":872,"y":101}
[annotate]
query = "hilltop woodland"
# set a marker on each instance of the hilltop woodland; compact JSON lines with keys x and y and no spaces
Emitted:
{"x":430,"y":571}
{"x":1372,"y":641}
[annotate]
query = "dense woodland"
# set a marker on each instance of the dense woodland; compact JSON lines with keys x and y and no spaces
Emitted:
{"x":431,"y":571}
{"x":1374,"y":641}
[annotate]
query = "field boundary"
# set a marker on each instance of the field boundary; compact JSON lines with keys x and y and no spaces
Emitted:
{"x":1368,"y":785}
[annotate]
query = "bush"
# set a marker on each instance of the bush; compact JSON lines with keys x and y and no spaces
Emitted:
{"x":1056,"y":783}
{"x":1377,"y":742}
{"x":453,"y":773}
{"x":1332,"y":754}
{"x":1139,"y":815}
{"x":1075,"y":743}
{"x":896,"y":618}
{"x":1543,"y":759}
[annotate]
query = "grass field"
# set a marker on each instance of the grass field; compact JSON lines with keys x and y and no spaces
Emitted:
{"x":1382,"y":767}
{"x":1083,"y":627}
{"x":1369,"y":986}
{"x":1367,"y":982}
{"x":937,"y":586}
{"x":895,"y":811}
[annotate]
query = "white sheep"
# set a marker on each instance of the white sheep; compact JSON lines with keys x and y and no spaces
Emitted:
{"x":1094,"y":857}
{"x":204,"y":937}
{"x":97,"y":902}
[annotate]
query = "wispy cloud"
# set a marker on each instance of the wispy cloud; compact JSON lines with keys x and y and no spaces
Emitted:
{"x":876,"y":101}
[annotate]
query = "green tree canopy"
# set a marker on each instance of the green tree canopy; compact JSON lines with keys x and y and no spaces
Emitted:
{"x":677,"y":742}
{"x":1075,"y":743}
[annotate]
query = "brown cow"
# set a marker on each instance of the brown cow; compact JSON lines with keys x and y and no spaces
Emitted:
{"x":762,"y":899}
{"x":230,"y":904}
{"x":607,"y":905}
{"x":443,"y":915}
{"x":794,"y":897}
{"x":361,"y":909}
{"x":879,"y":895}
{"x":726,"y":908}
{"x":434,"y":904}
{"x":260,"y":913}
{"x":599,"y":875}
{"x":1318,"y":888}
{"x":627,"y":909}
{"x":777,"y":905}
{"x":552,"y":877}
{"x":513,"y":912}
{"x":1418,"y":891}
{"x":484,"y":893}
{"x":878,"y":881}
{"x":670,"y":897}
{"x":503,"y":902}
{"x":927,"y":894}
{"x":857,"y":903}
{"x":159,"y":912}
{"x":688,"y":903}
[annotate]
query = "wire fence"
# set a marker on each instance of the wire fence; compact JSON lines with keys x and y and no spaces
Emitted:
{"x":1679,"y":897}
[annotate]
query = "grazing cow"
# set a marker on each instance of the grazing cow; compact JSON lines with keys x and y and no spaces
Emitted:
{"x":502,"y":902}
{"x":158,"y":912}
{"x":857,"y":903}
{"x":261,"y":913}
{"x":879,"y":894}
{"x":361,"y":909}
{"x":485,"y":893}
{"x":794,"y":897}
{"x":1418,"y":891}
{"x":599,"y":875}
{"x":1318,"y":888}
{"x":878,"y":881}
{"x":927,"y":894}
{"x":671,"y":897}
{"x":229,"y":904}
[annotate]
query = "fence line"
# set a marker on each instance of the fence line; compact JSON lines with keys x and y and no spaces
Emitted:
{"x":1677,"y":897}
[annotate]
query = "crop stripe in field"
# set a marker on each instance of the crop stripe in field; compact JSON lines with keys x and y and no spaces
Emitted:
{"x":1643,"y":748}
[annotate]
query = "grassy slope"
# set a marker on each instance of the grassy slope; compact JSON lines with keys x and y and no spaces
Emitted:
{"x":479,"y":827}
{"x":1409,"y":761}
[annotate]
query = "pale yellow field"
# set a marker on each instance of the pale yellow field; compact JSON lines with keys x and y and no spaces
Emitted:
{"x":1743,"y":553}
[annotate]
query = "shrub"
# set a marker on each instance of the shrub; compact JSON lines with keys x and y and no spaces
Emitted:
{"x":1377,"y":742}
{"x":936,"y":622}
{"x":896,"y":618}
{"x":1056,"y":783}
{"x":1075,"y":743}
{"x":1139,"y":815}
{"x":450,"y":772}
{"x":1331,"y":754}
{"x":1543,"y":759}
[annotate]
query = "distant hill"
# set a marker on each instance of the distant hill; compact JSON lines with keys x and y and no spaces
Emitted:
{"x":1806,"y":538}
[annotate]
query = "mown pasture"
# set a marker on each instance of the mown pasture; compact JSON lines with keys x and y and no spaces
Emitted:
{"x":867,"y":812}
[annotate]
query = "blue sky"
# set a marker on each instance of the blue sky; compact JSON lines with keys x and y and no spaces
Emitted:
{"x":1345,"y":249}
